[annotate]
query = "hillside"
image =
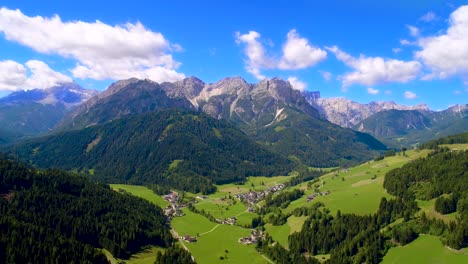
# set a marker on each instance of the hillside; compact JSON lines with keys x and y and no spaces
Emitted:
{"x":37,"y":111}
{"x":181,"y":149}
{"x":317,"y":142}
{"x":55,"y":217}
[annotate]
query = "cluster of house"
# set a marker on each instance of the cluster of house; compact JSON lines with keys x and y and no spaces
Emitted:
{"x":174,"y":208}
{"x":254,"y":237}
{"x":253,"y":197}
{"x":228,"y":221}
{"x":312,"y":196}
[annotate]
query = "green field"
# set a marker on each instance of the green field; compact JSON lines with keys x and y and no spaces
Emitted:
{"x":142,"y":192}
{"x":425,"y":249}
{"x":354,"y":190}
{"x":214,"y":239}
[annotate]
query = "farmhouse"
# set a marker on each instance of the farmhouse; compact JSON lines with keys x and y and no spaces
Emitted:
{"x":189,"y":239}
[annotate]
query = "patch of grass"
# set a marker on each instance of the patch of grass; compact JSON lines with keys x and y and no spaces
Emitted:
{"x":192,"y":224}
{"x":245,"y":218}
{"x":428,"y":208}
{"x":221,"y":209}
{"x":281,"y":233}
{"x":174,"y":164}
{"x":456,"y":146}
{"x":322,"y":258}
{"x":425,"y":249}
{"x":147,"y":256}
{"x":142,"y":192}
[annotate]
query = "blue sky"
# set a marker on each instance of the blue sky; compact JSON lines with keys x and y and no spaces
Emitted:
{"x":410,"y":52}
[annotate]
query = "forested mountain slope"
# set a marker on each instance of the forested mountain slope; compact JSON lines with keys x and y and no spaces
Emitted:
{"x":55,"y":217}
{"x":181,"y":149}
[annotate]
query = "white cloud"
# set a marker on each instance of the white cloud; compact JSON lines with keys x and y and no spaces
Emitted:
{"x":447,"y":54}
{"x":457,"y":92}
{"x":14,"y":76}
{"x":414,"y":31}
{"x":375,"y":70}
{"x":297,"y":84}
{"x":299,"y":54}
{"x":397,"y":50}
{"x":405,"y":42}
{"x":371,"y":90}
{"x":428,"y":17}
{"x":326,"y":75}
{"x":410,"y":95}
{"x":102,"y":51}
{"x":388,"y":92}
{"x":255,"y":53}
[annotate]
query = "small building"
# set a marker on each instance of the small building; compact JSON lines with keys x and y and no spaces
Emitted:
{"x":189,"y":239}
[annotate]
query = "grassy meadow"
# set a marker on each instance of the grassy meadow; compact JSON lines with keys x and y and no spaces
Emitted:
{"x":425,"y":249}
{"x":142,"y":192}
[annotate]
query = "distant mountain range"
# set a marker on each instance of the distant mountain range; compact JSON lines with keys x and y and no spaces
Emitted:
{"x":347,"y":113}
{"x":394,"y":124}
{"x":37,"y":111}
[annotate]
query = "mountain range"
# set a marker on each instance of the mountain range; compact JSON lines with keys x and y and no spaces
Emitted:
{"x":270,"y":112}
{"x":37,"y":111}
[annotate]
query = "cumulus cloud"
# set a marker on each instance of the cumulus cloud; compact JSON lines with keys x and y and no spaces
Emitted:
{"x":297,"y":53}
{"x":255,"y":52}
{"x":397,"y":50}
{"x":428,"y":17}
{"x":447,"y":54}
{"x":372,"y":90}
{"x":15,"y":76}
{"x":375,"y":70}
{"x":297,"y":84}
{"x":102,"y":51}
{"x":410,"y":95}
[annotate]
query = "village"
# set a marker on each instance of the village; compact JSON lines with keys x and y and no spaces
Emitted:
{"x":174,"y":208}
{"x":251,"y":198}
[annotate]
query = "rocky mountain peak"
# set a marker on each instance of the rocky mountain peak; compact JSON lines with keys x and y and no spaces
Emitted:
{"x":347,"y":113}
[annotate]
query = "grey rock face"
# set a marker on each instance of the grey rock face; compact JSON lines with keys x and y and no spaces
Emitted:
{"x":347,"y":113}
